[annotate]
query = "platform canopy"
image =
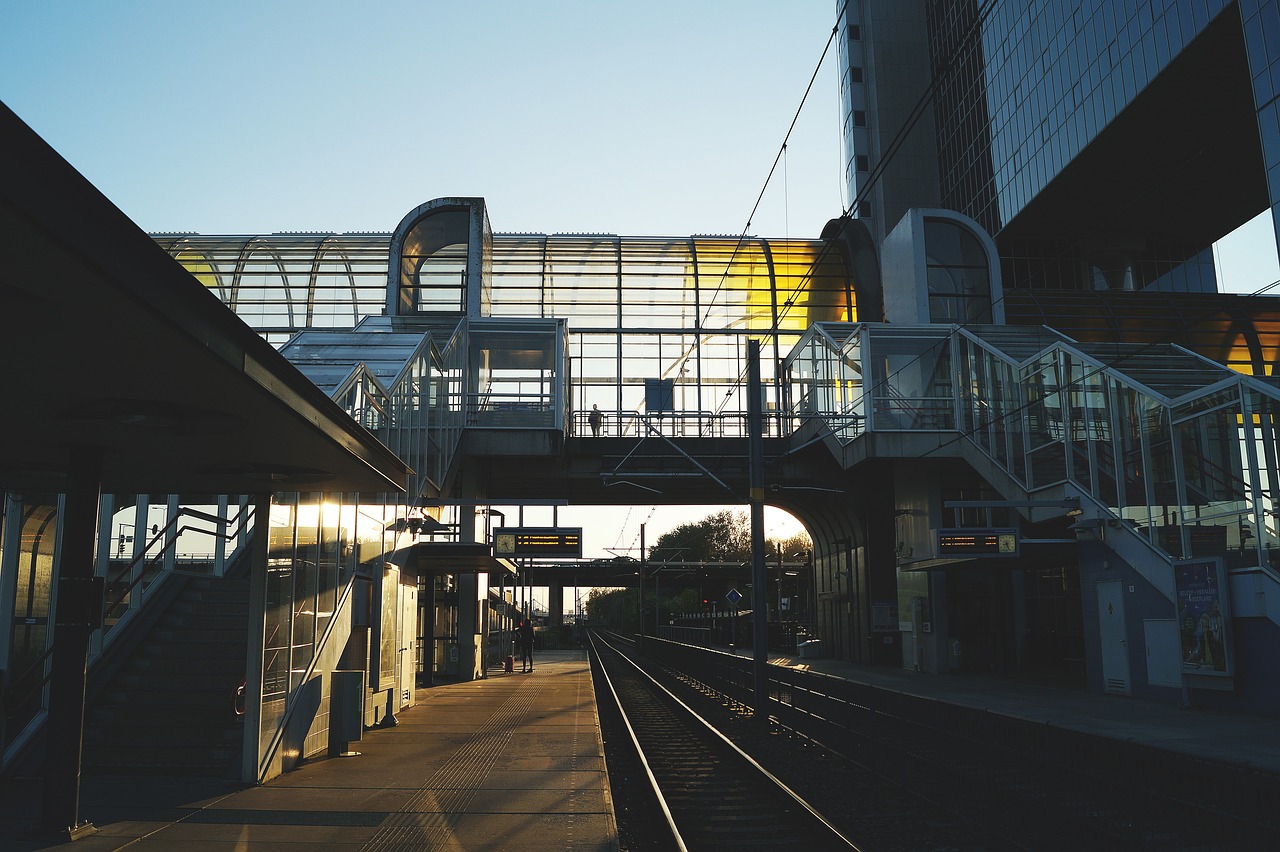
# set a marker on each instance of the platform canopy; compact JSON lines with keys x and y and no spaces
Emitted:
{"x":108,"y":342}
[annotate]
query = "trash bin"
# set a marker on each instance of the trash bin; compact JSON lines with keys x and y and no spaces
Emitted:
{"x":346,"y":712}
{"x":810,"y":650}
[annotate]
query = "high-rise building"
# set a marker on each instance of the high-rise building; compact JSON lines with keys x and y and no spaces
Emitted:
{"x":1105,"y":145}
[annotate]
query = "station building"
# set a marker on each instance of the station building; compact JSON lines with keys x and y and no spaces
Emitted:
{"x":1104,"y":147}
{"x":1024,"y":431}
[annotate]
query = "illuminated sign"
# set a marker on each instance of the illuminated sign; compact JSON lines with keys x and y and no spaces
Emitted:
{"x":977,"y":542}
{"x":550,"y":542}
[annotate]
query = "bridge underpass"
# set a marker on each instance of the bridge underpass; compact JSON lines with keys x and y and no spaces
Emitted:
{"x":849,"y":513}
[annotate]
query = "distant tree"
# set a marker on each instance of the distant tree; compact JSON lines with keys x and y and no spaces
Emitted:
{"x":723,"y":536}
{"x":800,"y":543}
{"x":613,"y":609}
{"x":682,"y":603}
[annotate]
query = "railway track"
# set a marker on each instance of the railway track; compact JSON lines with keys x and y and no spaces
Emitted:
{"x":906,"y":773}
{"x":693,"y":788}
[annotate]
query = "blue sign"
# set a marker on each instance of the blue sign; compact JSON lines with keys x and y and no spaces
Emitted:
{"x":659,"y":395}
{"x":734,"y":596}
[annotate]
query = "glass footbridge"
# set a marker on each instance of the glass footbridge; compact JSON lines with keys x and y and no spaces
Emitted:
{"x":1174,"y":454}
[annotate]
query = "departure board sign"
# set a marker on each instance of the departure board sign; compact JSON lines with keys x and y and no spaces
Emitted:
{"x":978,"y":542}
{"x":534,"y":542}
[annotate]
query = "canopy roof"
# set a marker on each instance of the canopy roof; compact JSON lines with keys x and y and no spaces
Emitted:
{"x":109,"y":342}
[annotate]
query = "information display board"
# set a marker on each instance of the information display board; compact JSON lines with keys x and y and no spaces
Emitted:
{"x":978,"y":542}
{"x":535,"y":542}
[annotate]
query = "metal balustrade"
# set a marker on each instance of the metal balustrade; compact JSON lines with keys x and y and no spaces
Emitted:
{"x":1175,"y":448}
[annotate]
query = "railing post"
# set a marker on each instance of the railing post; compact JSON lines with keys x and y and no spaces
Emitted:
{"x":759,"y":580}
{"x":172,"y":531}
{"x":77,"y":611}
{"x":220,"y":540}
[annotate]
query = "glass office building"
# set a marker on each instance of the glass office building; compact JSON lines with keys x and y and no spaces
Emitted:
{"x":1105,"y":144}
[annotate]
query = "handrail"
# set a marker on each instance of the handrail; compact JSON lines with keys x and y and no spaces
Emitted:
{"x":1214,"y":472}
{"x":172,"y":542}
{"x":108,"y":604}
{"x":7,"y":698}
{"x":35,"y":677}
{"x":182,"y":511}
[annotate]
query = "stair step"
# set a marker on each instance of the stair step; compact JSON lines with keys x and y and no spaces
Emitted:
{"x":189,"y":646}
{"x":199,"y":710}
{"x":153,"y":733}
{"x":193,"y":604}
{"x":229,"y":663}
{"x":182,"y":682}
{"x":192,"y":770}
{"x":211,"y":634}
{"x":129,"y":755}
{"x":169,"y":708}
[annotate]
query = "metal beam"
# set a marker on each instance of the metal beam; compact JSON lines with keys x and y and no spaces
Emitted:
{"x":1068,"y":503}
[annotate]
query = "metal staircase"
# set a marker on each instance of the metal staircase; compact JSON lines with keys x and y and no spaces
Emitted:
{"x":1174,"y":456}
{"x":165,"y":665}
{"x":169,"y":706}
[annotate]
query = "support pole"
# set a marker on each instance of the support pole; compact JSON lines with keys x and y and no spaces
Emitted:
{"x":78,"y":611}
{"x":644,"y":578}
{"x":759,"y":578}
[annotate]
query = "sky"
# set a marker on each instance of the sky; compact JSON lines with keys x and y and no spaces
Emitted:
{"x":235,"y":117}
{"x":654,"y":118}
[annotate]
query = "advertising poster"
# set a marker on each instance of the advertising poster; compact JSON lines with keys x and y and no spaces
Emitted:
{"x":1200,"y":594}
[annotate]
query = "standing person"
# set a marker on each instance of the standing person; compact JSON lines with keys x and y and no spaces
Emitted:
{"x":597,"y":420}
{"x":524,"y":639}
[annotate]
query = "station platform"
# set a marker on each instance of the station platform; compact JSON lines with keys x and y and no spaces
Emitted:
{"x":513,"y":761}
{"x":1237,"y":738}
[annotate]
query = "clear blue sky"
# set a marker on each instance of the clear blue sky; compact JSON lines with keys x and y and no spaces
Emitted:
{"x":247,"y":117}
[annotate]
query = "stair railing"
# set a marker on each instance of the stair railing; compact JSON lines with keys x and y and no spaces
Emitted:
{"x":147,"y":569}
{"x":148,"y":566}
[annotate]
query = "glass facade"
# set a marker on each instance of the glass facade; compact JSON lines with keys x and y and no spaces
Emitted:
{"x":635,"y":308}
{"x":1240,"y":332}
{"x":281,"y":283}
{"x":1106,"y":145}
{"x":1173,"y":446}
{"x":1050,"y":78}
{"x":142,"y":540}
{"x":316,"y":545}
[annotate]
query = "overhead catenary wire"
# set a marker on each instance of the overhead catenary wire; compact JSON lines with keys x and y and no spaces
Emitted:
{"x":777,"y":158}
{"x":918,"y":111}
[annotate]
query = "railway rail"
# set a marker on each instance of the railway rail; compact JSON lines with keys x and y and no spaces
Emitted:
{"x":699,"y":790}
{"x":903,"y":772}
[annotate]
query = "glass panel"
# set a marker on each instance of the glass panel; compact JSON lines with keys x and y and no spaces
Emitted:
{"x":433,"y":263}
{"x":912,"y":382}
{"x":277,"y":627}
{"x":37,"y":530}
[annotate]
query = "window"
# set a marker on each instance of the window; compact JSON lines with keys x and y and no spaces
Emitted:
{"x":855,"y":74}
{"x":859,"y":118}
{"x":863,"y":162}
{"x":958,"y":278}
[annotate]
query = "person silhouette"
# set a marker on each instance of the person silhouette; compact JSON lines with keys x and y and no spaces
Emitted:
{"x":524,"y":640}
{"x":597,"y":420}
